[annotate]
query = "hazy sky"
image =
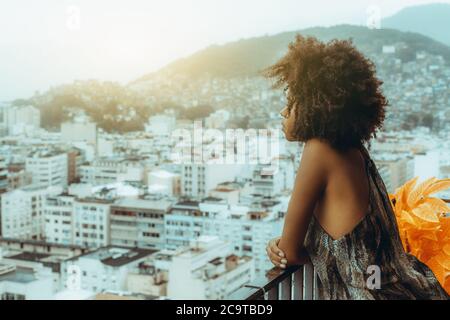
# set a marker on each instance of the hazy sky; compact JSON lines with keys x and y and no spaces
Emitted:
{"x":50,"y":42}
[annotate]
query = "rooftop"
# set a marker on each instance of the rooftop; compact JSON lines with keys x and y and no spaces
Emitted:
{"x":45,"y":153}
{"x":19,"y":274}
{"x":213,"y":199}
{"x":188,"y":203}
{"x":94,"y":200}
{"x":117,"y":256}
{"x":163,"y":174}
{"x":40,"y":243}
{"x":29,"y":256}
{"x":163,"y":205}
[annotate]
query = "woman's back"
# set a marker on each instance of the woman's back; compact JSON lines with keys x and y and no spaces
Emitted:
{"x":345,"y":200}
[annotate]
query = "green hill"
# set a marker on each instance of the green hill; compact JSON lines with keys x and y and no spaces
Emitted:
{"x":247,"y":56}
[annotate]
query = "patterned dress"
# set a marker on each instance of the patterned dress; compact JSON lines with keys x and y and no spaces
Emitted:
{"x":369,"y":262}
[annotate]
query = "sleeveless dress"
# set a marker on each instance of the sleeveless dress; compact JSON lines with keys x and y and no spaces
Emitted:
{"x":369,"y":263}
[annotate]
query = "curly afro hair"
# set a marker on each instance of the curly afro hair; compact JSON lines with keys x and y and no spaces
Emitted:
{"x":333,"y":90}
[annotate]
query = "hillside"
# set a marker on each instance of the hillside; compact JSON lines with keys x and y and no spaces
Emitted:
{"x":246,"y":57}
{"x":432,"y":20}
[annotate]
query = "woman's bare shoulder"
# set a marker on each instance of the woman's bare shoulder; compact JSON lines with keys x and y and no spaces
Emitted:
{"x":316,"y":156}
{"x":319,"y":148}
{"x":320,"y":155}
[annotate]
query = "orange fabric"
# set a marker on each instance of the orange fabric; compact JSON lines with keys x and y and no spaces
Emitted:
{"x":424,"y":224}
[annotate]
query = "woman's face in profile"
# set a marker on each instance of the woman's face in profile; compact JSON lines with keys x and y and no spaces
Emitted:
{"x":288,"y":123}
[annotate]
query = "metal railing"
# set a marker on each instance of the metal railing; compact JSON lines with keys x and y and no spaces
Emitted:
{"x":293,"y":283}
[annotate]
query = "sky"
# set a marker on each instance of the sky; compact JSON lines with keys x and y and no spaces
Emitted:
{"x":46,"y":43}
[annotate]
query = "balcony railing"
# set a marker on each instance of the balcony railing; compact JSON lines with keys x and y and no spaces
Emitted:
{"x":293,"y":283}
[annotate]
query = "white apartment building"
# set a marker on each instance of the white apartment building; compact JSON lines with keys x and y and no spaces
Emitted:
{"x":166,"y":182}
{"x":427,"y":163}
{"x":105,"y":171}
{"x":105,"y":147}
{"x":400,"y":166}
{"x":267,"y":182}
{"x":160,"y":125}
{"x":247,"y":230}
{"x":197,"y":180}
{"x":79,"y":130}
{"x":19,"y":119}
{"x":385,"y":173}
{"x":91,"y":222}
{"x":104,"y":269}
{"x":207,"y":269}
{"x":138,"y":222}
{"x":280,"y":176}
{"x":23,"y":212}
{"x":48,"y":168}
{"x":58,"y":214}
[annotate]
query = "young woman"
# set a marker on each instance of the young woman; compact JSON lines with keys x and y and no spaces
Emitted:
{"x":339,"y":216}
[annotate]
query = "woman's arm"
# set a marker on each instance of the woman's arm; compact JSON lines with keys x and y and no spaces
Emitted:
{"x":310,"y":183}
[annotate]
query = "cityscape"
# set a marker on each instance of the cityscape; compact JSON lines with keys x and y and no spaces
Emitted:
{"x":96,"y":204}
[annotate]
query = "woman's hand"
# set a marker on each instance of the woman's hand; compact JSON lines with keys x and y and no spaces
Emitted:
{"x":276,"y":256}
